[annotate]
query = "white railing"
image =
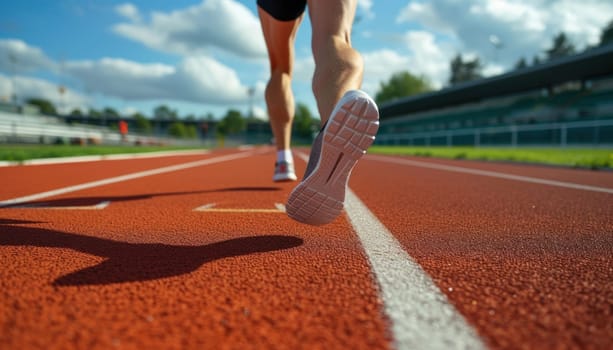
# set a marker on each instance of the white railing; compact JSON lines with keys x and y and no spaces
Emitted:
{"x":563,"y":135}
{"x":21,"y":128}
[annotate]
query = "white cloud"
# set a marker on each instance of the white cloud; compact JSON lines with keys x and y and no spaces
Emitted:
{"x":303,"y":69}
{"x":121,"y":78}
{"x":213,"y":24}
{"x":366,"y":7}
{"x":425,"y":59}
{"x":260,"y":113}
{"x":27,"y":87}
{"x":584,"y":20}
{"x":525,"y":28}
{"x":128,"y":11}
{"x":379,"y":67}
{"x":6,"y":89}
{"x":129,"y":110}
{"x":18,"y":57}
{"x":427,"y":15}
{"x":196,"y":79}
{"x":428,"y":59}
{"x":519,"y":15}
{"x":202,"y":79}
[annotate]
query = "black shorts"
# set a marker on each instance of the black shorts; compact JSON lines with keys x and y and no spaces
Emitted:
{"x":283,"y":10}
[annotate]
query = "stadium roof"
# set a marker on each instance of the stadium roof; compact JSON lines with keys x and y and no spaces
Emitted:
{"x":588,"y":65}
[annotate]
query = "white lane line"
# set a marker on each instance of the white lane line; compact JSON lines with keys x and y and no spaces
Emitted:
{"x":121,"y":178}
{"x":210,"y":208}
{"x":93,"y":158}
{"x":458,"y":169}
{"x":205,"y":207}
{"x":420,"y":314}
{"x":280,"y":207}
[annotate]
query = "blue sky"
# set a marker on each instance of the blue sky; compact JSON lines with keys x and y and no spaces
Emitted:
{"x":201,"y":57}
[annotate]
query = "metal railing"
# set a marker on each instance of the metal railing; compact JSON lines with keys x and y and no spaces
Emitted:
{"x":20,"y":128}
{"x":597,"y":133}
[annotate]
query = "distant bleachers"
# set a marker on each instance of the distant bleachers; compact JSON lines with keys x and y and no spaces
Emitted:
{"x":24,"y":128}
{"x":559,"y":102}
{"x":495,"y":118}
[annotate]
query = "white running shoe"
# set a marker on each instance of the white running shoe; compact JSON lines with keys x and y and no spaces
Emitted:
{"x":284,"y":171}
{"x":350,"y":130}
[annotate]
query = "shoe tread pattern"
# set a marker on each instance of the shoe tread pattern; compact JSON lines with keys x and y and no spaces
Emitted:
{"x":319,"y":199}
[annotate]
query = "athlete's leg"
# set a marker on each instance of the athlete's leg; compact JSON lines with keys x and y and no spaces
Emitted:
{"x":350,"y":116}
{"x":338,"y":67}
{"x":280,"y":37}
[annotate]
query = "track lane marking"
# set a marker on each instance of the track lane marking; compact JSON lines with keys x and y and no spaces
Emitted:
{"x":94,"y":158}
{"x":495,"y":174}
{"x":112,"y":180}
{"x":210,"y":208}
{"x":420,"y":314}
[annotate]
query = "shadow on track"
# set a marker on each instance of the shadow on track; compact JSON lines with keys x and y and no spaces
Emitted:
{"x":88,"y":201}
{"x":133,"y":262}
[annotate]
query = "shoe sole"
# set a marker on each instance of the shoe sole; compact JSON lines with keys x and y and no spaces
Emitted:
{"x":320,"y":197}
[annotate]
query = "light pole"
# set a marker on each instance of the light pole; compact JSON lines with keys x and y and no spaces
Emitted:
{"x":13,"y":60}
{"x":251,"y":93}
{"x":497,"y":43}
{"x":61,"y":89}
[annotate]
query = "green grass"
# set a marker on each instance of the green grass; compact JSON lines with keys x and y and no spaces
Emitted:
{"x":25,"y":152}
{"x":571,"y":157}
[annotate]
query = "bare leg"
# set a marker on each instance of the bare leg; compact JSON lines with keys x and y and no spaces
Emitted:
{"x":280,"y":37}
{"x":319,"y":198}
{"x":338,"y":67}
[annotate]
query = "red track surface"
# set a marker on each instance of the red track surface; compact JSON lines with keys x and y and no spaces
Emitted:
{"x":527,"y":265}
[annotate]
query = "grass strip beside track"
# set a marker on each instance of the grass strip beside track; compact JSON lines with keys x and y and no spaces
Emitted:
{"x":572,"y":157}
{"x":18,"y":153}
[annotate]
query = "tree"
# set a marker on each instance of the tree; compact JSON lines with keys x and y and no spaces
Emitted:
{"x":401,"y":84}
{"x":606,"y":37}
{"x":110,"y":112}
{"x":304,"y":123}
{"x":463,"y":71}
{"x":163,"y":112}
{"x":561,"y":47}
{"x":178,"y":129}
{"x":232,"y":123}
{"x":253,"y":119}
{"x":93,"y":113}
{"x":76,"y":113}
{"x":142,"y":123}
{"x":521,"y":64}
{"x":46,"y":107}
{"x":191,"y":131}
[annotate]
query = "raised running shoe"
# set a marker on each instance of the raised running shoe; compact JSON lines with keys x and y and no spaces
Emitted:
{"x":348,"y":133}
{"x":284,"y":171}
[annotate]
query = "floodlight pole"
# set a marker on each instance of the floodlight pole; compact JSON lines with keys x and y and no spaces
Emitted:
{"x":497,"y":43}
{"x":251,"y":93}
{"x":13,"y":60}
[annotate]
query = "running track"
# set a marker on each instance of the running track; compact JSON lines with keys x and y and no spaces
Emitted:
{"x":194,"y":251}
